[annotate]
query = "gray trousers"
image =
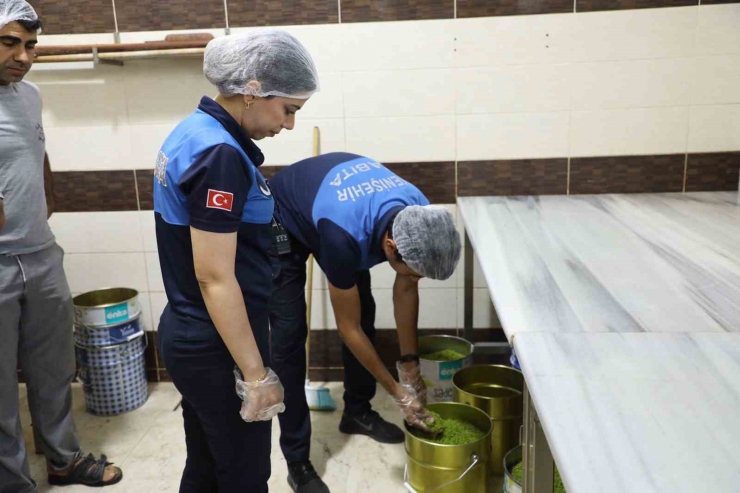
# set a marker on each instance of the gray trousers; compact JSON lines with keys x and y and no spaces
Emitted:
{"x":36,"y":319}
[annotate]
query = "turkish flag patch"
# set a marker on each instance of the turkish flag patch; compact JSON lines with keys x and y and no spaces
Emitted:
{"x":220,"y":200}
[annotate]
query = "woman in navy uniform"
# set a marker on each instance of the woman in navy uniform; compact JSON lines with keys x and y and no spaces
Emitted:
{"x":213,"y":212}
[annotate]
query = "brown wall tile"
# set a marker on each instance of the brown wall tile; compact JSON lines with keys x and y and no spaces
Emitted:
{"x":627,"y":174}
{"x":89,"y":191}
{"x":488,"y":8}
{"x":718,"y":171}
{"x":396,"y":10}
{"x":166,"y":15}
{"x":145,"y":184}
{"x":152,"y":375}
{"x":164,"y":376}
{"x":150,"y":353}
{"x":514,"y":177}
{"x":282,"y":12}
{"x":717,"y":2}
{"x":435,"y":180}
{"x":326,"y":374}
{"x":75,"y":16}
{"x":599,"y":5}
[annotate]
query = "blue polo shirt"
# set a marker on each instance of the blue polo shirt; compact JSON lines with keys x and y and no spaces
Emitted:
{"x":206,"y":177}
{"x":339,"y":206}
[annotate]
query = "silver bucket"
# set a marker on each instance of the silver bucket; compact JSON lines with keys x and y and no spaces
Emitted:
{"x":114,"y":377}
{"x":105,"y":307}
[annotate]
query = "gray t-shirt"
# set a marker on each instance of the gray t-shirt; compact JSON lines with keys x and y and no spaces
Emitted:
{"x":22,"y":148}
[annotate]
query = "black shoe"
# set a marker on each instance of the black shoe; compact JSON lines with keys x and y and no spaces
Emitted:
{"x":302,"y":478}
{"x":372,"y":425}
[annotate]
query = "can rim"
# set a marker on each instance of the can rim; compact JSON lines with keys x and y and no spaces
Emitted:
{"x":112,"y":346}
{"x":445,"y":445}
{"x":131,"y":291}
{"x":447,"y":336}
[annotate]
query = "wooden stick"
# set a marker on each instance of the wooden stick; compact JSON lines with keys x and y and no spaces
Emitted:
{"x":132,"y":55}
{"x":115,"y":48}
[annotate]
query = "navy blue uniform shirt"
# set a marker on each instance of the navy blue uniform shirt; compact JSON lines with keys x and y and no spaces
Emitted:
{"x":206,"y":177}
{"x":339,"y":206}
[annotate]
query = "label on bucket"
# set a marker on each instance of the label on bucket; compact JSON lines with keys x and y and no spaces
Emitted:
{"x":116,"y":313}
{"x":447,"y":369}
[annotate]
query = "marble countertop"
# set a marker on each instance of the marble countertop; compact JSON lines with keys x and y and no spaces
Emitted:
{"x":637,"y":412}
{"x":610,"y":263}
{"x":625,"y":314}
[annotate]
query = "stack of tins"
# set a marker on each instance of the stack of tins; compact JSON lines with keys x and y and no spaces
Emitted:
{"x":110,"y":343}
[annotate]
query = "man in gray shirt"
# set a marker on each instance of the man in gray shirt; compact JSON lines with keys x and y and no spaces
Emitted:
{"x":36,"y":315}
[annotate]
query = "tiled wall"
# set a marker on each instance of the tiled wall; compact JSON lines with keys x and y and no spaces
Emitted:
{"x":461,"y":97}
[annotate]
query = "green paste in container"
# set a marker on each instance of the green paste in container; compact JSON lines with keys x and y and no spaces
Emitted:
{"x":454,"y":431}
{"x":518,"y":473}
{"x":443,"y":355}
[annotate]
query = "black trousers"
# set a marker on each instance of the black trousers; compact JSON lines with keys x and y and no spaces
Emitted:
{"x":289,"y":332}
{"x":225,"y":454}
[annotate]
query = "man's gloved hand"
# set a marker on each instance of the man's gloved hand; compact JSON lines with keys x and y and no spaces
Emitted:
{"x":263,"y":399}
{"x":411,"y":407}
{"x":409,"y":374}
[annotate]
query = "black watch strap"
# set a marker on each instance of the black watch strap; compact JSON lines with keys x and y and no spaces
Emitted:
{"x":408,"y":358}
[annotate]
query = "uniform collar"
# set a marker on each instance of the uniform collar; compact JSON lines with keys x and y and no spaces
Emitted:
{"x":212,"y":108}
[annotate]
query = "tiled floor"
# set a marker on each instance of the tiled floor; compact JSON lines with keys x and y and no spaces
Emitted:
{"x":149,"y":445}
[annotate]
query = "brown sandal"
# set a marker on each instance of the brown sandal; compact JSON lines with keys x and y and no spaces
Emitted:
{"x":89,"y":472}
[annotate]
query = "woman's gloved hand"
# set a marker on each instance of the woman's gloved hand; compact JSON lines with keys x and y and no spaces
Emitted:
{"x":263,"y":399}
{"x":410,"y":405}
{"x":409,"y":374}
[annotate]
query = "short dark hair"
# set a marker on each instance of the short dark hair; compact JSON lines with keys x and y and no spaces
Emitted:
{"x":31,"y":26}
{"x":399,"y":258}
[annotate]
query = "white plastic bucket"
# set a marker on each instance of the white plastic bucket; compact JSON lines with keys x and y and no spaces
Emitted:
{"x":438,"y":375}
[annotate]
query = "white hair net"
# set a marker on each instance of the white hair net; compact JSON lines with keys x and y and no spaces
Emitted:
{"x":428,"y":240}
{"x":16,"y":10}
{"x":275,"y":59}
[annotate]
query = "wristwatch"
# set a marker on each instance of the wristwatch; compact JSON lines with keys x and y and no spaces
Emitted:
{"x":408,"y":358}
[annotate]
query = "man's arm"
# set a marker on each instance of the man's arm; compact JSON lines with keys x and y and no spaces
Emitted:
{"x":346,"y":304}
{"x":406,"y":312}
{"x":48,"y":186}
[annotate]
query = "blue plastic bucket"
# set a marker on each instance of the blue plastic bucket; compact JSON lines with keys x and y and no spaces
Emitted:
{"x":114,"y":377}
{"x":109,"y":335}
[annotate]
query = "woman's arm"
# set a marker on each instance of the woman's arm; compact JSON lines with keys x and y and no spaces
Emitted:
{"x":214,"y":255}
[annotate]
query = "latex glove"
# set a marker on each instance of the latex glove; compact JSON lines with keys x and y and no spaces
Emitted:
{"x":411,"y":407}
{"x":263,"y":399}
{"x":412,"y":379}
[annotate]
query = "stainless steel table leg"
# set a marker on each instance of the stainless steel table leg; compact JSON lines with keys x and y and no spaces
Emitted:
{"x":539,"y":468}
{"x":468,"y":288}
